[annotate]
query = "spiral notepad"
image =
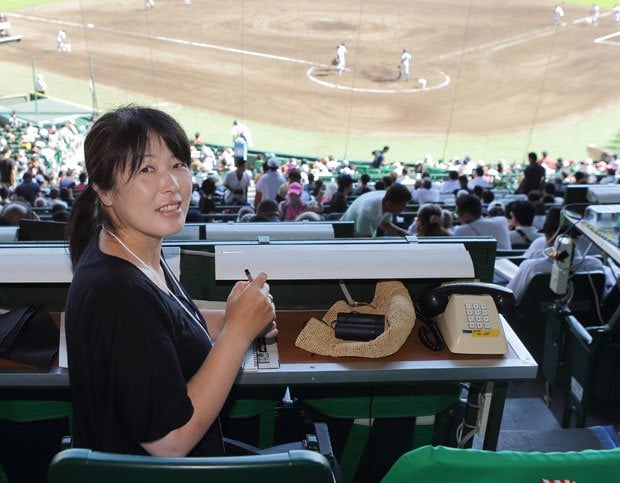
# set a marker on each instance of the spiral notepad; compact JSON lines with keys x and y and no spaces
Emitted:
{"x":262,"y":354}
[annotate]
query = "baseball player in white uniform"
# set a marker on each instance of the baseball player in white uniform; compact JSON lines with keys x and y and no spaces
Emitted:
{"x":558,"y":14}
{"x":61,"y":45}
{"x":615,"y":12}
{"x":241,"y":130}
{"x":341,"y":50}
{"x":596,"y":13}
{"x":405,"y":62}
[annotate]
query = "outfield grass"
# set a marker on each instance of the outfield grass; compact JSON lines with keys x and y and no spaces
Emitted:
{"x":568,"y":140}
{"x":8,"y":5}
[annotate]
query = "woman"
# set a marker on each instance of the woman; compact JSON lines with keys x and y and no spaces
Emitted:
{"x":293,"y":205}
{"x":429,"y":221}
{"x":146,"y":377}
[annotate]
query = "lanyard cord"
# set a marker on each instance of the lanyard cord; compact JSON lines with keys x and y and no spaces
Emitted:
{"x":162,"y":285}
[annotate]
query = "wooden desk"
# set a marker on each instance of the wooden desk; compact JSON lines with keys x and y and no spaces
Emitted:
{"x":412,"y":363}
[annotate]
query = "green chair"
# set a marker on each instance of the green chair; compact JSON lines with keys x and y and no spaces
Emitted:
{"x":433,"y":464}
{"x":245,"y":405}
{"x":86,"y":466}
{"x":364,"y":405}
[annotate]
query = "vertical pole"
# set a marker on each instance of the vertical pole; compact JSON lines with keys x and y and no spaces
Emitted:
{"x":34,"y":88}
{"x":91,"y":70}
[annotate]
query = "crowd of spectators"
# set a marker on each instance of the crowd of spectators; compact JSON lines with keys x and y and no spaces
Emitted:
{"x":42,"y":168}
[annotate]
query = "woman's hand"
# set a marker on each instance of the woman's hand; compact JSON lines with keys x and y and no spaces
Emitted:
{"x":250,"y":310}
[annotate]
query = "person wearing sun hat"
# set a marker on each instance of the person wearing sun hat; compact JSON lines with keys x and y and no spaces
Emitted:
{"x":293,"y":205}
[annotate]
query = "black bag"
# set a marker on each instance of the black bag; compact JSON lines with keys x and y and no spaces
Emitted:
{"x":28,"y":335}
{"x":356,"y":326}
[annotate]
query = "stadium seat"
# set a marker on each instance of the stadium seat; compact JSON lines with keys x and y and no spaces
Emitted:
{"x":412,"y":409}
{"x":440,"y":464}
{"x":86,"y":466}
{"x":529,"y":315}
{"x":592,"y":362}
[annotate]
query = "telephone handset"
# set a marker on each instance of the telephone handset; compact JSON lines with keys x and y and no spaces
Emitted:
{"x":467,"y":315}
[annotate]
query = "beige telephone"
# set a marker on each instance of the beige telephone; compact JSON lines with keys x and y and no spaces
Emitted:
{"x":467,"y":315}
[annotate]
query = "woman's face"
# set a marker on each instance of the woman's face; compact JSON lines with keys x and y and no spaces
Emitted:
{"x":152,"y":203}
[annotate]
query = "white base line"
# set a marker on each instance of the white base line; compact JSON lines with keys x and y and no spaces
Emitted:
{"x":603,"y":40}
{"x":516,"y":40}
{"x":332,"y":85}
{"x":170,"y":39}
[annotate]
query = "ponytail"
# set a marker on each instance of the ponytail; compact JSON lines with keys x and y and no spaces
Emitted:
{"x":84,"y":221}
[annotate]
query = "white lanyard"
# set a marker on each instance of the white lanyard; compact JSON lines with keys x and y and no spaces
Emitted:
{"x":150,"y":272}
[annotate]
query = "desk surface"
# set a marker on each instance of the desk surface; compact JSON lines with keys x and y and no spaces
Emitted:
{"x":412,"y":363}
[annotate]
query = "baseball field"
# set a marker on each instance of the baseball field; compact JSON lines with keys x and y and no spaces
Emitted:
{"x":500,"y":78}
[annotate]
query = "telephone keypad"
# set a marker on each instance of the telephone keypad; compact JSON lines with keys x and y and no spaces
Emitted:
{"x":479,"y":331}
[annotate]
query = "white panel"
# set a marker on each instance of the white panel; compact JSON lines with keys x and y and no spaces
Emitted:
{"x":189,"y":233}
{"x":35,"y":265}
{"x":603,"y":194}
{"x":53,"y":265}
{"x":275,"y":231}
{"x":342,"y":261}
{"x":8,"y":233}
{"x":172,"y":255}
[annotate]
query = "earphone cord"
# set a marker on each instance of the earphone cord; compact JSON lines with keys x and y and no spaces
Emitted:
{"x":429,"y":333}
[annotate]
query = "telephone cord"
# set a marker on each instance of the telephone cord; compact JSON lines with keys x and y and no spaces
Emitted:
{"x":429,"y":333}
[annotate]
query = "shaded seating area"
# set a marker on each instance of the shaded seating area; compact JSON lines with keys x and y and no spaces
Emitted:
{"x":592,"y":357}
{"x":529,"y":315}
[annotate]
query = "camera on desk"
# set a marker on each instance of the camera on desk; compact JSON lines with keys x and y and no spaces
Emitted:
{"x":360,"y":327}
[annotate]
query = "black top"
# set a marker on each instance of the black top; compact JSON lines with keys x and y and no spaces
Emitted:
{"x":533,"y":176}
{"x":338,"y":203}
{"x":131,"y":351}
{"x":7,"y":166}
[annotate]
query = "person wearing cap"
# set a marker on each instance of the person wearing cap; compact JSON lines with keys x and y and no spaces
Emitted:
{"x":293,"y":205}
{"x":268,"y":184}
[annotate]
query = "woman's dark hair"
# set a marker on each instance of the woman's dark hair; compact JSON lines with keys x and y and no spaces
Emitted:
{"x":208,"y":186}
{"x":429,"y":222}
{"x":117,"y":142}
{"x":345,"y":181}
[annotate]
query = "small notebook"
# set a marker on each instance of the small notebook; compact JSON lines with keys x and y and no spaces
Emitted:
{"x":505,"y":268}
{"x":262,"y":354}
